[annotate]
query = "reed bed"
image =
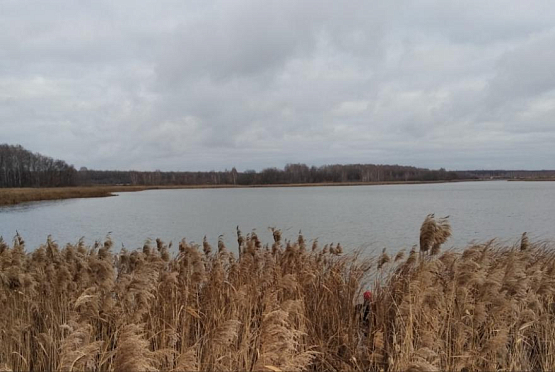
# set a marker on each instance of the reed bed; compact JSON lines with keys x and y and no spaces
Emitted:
{"x":288,"y":306}
{"x":12,"y":196}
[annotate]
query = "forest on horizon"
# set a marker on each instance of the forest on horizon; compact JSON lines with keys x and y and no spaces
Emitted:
{"x":22,"y":168}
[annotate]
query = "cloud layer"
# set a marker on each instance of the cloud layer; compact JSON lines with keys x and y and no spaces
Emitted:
{"x":203,"y":85}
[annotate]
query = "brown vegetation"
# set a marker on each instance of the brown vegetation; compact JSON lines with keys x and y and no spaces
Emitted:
{"x":284,"y":307}
{"x":12,"y":196}
{"x":22,"y":195}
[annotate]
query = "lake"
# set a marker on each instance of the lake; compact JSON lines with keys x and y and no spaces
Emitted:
{"x":366,"y":217}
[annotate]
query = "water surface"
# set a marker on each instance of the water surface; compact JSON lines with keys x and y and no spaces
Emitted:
{"x":367,"y":217}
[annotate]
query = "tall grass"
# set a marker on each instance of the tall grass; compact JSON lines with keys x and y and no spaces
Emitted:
{"x":285,"y":306}
{"x":12,"y":196}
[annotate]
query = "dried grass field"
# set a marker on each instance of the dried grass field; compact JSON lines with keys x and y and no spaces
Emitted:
{"x":285,"y":306}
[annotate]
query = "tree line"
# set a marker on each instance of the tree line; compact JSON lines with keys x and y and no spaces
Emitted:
{"x":510,"y":174}
{"x":22,"y":168}
{"x":297,"y":174}
{"x":290,"y":174}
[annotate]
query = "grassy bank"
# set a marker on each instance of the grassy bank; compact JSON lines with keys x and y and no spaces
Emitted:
{"x":22,"y":195}
{"x":12,"y":196}
{"x":284,"y":307}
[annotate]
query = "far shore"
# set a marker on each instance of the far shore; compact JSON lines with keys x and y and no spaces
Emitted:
{"x":13,"y":196}
{"x":531,"y":179}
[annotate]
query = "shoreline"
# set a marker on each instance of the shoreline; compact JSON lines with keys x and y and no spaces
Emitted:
{"x":14,"y":196}
{"x":532,"y":179}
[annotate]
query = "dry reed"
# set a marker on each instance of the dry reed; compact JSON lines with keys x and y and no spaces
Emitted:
{"x":276,"y":308}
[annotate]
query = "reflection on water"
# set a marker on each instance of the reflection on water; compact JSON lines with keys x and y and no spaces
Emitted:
{"x":367,"y":217}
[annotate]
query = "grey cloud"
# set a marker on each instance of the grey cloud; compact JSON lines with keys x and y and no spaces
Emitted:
{"x":527,"y":70}
{"x":211,"y":85}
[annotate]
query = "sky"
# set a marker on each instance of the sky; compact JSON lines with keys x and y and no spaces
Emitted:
{"x":209,"y":85}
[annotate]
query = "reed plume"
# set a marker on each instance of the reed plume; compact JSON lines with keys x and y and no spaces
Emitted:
{"x":434,"y":233}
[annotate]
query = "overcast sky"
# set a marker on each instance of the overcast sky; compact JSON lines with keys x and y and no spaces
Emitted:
{"x":201,"y":85}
